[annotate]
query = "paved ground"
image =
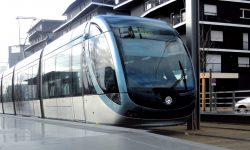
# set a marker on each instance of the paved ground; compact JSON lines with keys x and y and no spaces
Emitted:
{"x":23,"y":133}
{"x":231,"y":136}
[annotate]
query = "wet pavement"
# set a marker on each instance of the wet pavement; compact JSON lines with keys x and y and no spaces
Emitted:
{"x":23,"y":133}
{"x":227,"y":135}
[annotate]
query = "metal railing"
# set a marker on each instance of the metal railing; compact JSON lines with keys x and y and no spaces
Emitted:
{"x":153,"y":3}
{"x":215,"y":67}
{"x":224,"y":101}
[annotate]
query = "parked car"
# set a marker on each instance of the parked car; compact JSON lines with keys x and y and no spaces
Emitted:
{"x":243,"y":106}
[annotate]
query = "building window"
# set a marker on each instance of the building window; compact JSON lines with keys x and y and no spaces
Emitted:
{"x":243,"y":61}
{"x":15,"y":49}
{"x":245,"y":41}
{"x":216,"y":36}
{"x":183,"y":15}
{"x":210,"y":10}
{"x":158,"y":2}
{"x":245,"y":13}
{"x":213,"y":62}
{"x":148,"y":5}
{"x":175,"y":18}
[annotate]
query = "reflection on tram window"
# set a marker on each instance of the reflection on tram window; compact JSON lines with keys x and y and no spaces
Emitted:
{"x":7,"y":89}
{"x":101,"y":60}
{"x":62,"y":82}
{"x":48,"y":78}
{"x":26,"y":84}
{"x":61,"y":76}
{"x":76,"y":70}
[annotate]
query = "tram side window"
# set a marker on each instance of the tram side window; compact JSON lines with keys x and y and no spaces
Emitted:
{"x":28,"y":83}
{"x":7,"y":89}
{"x":25,"y":89}
{"x":4,"y":90}
{"x":0,"y":90}
{"x":62,"y":80}
{"x":48,"y":83}
{"x":1,"y":100}
{"x":76,"y":70}
{"x":23,"y":85}
{"x":88,"y":87}
{"x":19,"y":94}
{"x":34,"y":82}
{"x":17,"y":87}
{"x":102,"y":64}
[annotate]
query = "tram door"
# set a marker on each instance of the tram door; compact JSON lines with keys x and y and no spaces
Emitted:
{"x":77,"y":88}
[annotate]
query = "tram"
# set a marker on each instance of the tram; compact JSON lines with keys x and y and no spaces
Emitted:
{"x":117,"y":70}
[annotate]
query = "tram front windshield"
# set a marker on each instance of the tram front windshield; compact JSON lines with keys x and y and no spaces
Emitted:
{"x":153,"y":56}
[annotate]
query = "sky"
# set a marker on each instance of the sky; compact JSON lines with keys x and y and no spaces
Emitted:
{"x":11,"y":9}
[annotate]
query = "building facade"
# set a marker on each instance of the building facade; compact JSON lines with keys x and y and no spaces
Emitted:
{"x":224,"y":35}
{"x":41,"y":34}
{"x":81,"y":11}
{"x":16,"y":54}
{"x":3,"y":66}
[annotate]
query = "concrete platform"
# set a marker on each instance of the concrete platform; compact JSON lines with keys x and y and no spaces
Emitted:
{"x":22,"y":133}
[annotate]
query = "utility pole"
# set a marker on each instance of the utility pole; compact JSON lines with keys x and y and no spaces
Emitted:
{"x":193,"y":36}
{"x":19,"y":32}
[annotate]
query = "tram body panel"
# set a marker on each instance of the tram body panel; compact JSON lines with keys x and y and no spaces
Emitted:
{"x":25,"y":108}
{"x":50,"y":108}
{"x":1,"y":104}
{"x":65,"y":109}
{"x":78,"y":107}
{"x":8,"y":108}
{"x":28,"y":108}
{"x":37,"y":108}
{"x":1,"y":108}
{"x":98,"y":112}
{"x":69,"y":108}
{"x":7,"y":91}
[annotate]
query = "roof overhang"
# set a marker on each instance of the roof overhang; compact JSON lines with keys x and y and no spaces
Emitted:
{"x":157,"y":7}
{"x":34,"y":45}
{"x":126,"y":5}
{"x":88,"y":8}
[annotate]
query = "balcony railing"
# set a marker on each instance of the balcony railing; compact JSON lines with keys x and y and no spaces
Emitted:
{"x":153,"y":3}
{"x":215,"y":67}
{"x":121,"y":1}
{"x":109,"y":2}
{"x":177,"y":18}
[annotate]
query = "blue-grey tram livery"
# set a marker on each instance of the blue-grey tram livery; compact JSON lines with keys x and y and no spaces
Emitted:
{"x":117,"y":70}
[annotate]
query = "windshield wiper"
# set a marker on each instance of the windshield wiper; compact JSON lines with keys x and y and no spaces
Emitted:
{"x":183,"y":77}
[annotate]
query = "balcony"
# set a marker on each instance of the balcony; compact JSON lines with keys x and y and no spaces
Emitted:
{"x":88,"y":6}
{"x":178,"y":18}
{"x":152,"y":5}
{"x":107,"y":2}
{"x":126,"y":4}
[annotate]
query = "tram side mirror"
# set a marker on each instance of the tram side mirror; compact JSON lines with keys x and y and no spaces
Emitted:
{"x":86,"y":36}
{"x":110,"y":80}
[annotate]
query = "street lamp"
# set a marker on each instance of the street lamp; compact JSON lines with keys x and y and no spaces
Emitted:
{"x":19,"y":33}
